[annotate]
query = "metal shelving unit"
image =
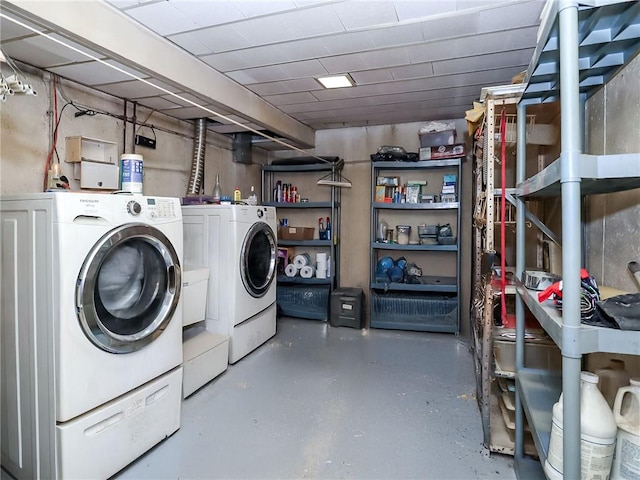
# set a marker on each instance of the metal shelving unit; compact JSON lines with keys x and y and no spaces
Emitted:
{"x":332,"y":167}
{"x":580,"y":48}
{"x":398,"y":300}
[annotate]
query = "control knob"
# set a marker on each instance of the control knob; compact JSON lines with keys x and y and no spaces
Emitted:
{"x":134,"y":208}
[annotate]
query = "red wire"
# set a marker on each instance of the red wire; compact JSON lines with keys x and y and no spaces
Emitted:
{"x":55,"y":134}
{"x":503,"y":186}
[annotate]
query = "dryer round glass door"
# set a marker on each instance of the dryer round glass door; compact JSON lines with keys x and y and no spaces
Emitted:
{"x":258,"y":259}
{"x":128,"y":288}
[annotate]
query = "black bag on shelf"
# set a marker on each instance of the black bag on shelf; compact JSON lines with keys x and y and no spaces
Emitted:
{"x":621,"y":311}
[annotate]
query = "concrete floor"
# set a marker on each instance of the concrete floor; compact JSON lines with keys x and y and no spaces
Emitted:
{"x":317,"y":402}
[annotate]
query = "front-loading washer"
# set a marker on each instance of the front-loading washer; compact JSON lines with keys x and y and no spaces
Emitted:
{"x":238,"y":244}
{"x":91,"y":331}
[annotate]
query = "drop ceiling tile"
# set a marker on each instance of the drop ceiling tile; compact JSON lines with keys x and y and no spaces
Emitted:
{"x":305,"y":68}
{"x":522,"y":14}
{"x":259,"y":75}
{"x":91,"y":73}
{"x":123,"y":3}
{"x":355,"y":15}
{"x":42,"y":51}
{"x":483,"y":62}
{"x":161,"y":17}
{"x":473,"y":45}
{"x":137,"y":89}
{"x":190,"y":112}
{"x":321,"y":20}
{"x":421,"y":9}
{"x":344,"y":63}
{"x":257,"y":8}
{"x":263,"y":30}
{"x":395,"y":36}
{"x":206,"y":14}
{"x":450,"y":27}
{"x":183,"y":99}
{"x":386,"y":58}
{"x":285,"y":86}
{"x":289,"y":98}
{"x":418,"y":70}
{"x":157,"y":103}
{"x":9,"y":29}
{"x":372,"y":76}
{"x":347,"y":42}
{"x":190,"y":42}
{"x":219,"y":39}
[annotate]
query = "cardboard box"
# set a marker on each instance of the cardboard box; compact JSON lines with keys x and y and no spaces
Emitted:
{"x":435,"y":139}
{"x":296,"y":233}
{"x":442,"y":152}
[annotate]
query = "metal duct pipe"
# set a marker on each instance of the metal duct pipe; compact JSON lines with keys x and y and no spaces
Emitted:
{"x":197,"y":162}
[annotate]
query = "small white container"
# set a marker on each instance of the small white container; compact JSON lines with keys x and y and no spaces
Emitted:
{"x":611,"y":379}
{"x":597,"y":433}
{"x":626,"y":410}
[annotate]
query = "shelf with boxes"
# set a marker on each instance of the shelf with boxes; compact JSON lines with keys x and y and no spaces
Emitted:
{"x":308,"y":233}
{"x":414,"y":248}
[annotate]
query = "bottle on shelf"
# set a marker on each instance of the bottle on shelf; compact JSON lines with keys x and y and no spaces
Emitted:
{"x":237,"y":195}
{"x":327,"y":231}
{"x":611,"y":378}
{"x":217,"y":190}
{"x":253,"y":198}
{"x":598,"y":433}
{"x":626,"y":411}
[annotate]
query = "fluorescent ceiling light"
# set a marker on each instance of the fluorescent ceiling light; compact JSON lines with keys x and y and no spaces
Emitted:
{"x":336,"y":81}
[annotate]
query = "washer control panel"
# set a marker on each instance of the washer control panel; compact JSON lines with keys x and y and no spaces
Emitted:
{"x":160,"y":208}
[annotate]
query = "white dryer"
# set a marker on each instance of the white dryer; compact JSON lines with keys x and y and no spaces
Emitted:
{"x":91,"y":331}
{"x":238,"y":243}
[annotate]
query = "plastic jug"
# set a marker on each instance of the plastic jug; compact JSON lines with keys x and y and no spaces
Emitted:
{"x":612,"y":378}
{"x":597,"y":433}
{"x":626,"y":410}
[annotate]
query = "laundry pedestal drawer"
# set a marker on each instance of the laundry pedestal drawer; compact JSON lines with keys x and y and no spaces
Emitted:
{"x":205,"y":356}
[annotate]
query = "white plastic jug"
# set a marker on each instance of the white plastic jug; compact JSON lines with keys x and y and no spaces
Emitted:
{"x":611,"y":378}
{"x":597,"y":433}
{"x":626,"y":410}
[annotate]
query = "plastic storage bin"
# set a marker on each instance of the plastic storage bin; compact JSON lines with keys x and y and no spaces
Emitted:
{"x":411,"y":311}
{"x":346,"y":308}
{"x":305,"y":301}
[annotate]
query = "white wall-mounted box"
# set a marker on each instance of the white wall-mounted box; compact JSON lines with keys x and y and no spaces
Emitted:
{"x":91,"y":149}
{"x":97,"y":176}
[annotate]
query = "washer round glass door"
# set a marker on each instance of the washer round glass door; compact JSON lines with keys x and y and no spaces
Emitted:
{"x":258,"y":259}
{"x":128,"y":288}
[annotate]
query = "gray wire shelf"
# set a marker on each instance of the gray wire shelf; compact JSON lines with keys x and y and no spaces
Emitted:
{"x":417,"y":206}
{"x":609,"y":36}
{"x":300,"y":204}
{"x":304,"y":243}
{"x":424,"y":248}
{"x":592,"y":339}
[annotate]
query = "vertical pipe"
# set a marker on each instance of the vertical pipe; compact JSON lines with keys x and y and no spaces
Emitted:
{"x":134,"y":119}
{"x":124,"y":128}
{"x":521,"y":162}
{"x":571,"y":257}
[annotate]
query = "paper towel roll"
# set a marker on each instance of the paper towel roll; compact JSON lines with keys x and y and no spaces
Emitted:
{"x":302,"y":260}
{"x":291,"y":270}
{"x":321,"y":257}
{"x":307,"y":271}
{"x":321,"y":265}
{"x":321,"y":273}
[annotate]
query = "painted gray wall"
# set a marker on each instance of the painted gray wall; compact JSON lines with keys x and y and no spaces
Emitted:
{"x":355,"y":145}
{"x":27,"y":131}
{"x":613,"y":220}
